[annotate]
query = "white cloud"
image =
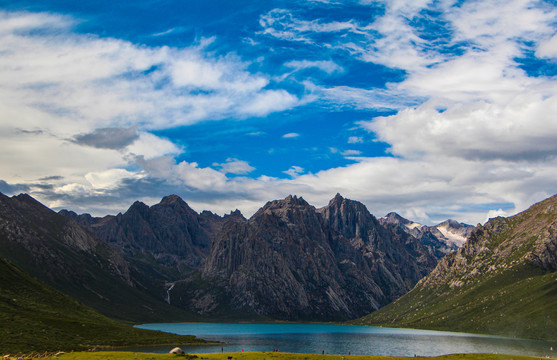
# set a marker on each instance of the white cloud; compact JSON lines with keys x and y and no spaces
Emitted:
{"x":472,"y":126}
{"x":150,"y":146}
{"x":351,"y":153}
{"x":357,"y":98}
{"x":294,"y":171}
{"x":235,"y":166}
{"x":280,"y":23}
{"x":269,"y":101}
{"x":109,"y":179}
{"x":81,"y":107}
{"x":291,"y":135}
{"x":522,"y":129}
{"x":154,"y":88}
{"x":547,"y":48}
{"x":327,"y":66}
{"x":496,"y":213}
{"x":355,"y":140}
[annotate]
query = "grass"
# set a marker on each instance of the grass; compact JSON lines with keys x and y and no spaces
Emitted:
{"x":35,"y":317}
{"x":269,"y":356}
{"x":520,"y":303}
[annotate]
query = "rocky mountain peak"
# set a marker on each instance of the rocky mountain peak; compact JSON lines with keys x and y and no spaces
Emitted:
{"x":285,"y":208}
{"x":453,"y":223}
{"x":171,"y":199}
{"x":337,"y":199}
{"x":137,"y":207}
{"x":27,"y":199}
{"x":293,"y":200}
{"x":350,"y":218}
{"x":394,"y":218}
{"x":68,"y":213}
{"x":236,"y":214}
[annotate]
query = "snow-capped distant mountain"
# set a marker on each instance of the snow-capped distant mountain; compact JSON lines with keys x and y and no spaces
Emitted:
{"x":440,"y":239}
{"x":455,"y":232}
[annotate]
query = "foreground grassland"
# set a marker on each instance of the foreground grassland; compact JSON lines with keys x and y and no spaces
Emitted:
{"x":268,"y":356}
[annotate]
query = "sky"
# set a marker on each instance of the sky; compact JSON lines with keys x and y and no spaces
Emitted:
{"x":433,"y":109}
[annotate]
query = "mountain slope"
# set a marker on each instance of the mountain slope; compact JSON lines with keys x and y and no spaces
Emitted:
{"x":59,"y":252}
{"x":292,"y":261}
{"x":35,"y":317}
{"x":503,"y":281}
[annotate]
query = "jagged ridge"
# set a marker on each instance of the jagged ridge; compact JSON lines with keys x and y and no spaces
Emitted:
{"x":292,"y":261}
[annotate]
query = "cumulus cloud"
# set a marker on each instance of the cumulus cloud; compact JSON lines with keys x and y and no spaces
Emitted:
{"x":294,"y":171}
{"x":151,"y":146}
{"x":547,"y":48}
{"x":522,"y":129}
{"x":235,"y":166}
{"x":472,"y":126}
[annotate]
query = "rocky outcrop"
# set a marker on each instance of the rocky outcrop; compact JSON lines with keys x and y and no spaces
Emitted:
{"x":169,"y":234}
{"x":292,"y":261}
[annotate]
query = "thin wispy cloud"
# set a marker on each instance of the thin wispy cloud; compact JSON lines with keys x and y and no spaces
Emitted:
{"x":291,"y":135}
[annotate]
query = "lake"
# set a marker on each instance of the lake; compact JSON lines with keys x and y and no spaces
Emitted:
{"x":343,"y":339}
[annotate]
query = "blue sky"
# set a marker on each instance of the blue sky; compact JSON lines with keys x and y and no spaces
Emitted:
{"x":434,"y":109}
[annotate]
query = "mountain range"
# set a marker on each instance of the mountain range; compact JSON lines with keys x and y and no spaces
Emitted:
{"x":292,"y":261}
{"x":288,"y":261}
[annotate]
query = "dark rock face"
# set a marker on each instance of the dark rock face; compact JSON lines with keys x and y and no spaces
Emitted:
{"x":170,"y":233}
{"x":292,"y":261}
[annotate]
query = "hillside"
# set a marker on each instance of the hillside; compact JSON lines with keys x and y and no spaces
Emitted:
{"x":35,"y":317}
{"x":64,"y":255}
{"x":503,"y":281}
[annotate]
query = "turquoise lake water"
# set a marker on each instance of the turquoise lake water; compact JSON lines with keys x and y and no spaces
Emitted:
{"x":343,"y":339}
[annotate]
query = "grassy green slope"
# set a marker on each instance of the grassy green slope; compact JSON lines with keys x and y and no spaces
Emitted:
{"x":35,"y":317}
{"x":521,"y":303}
{"x":496,"y":284}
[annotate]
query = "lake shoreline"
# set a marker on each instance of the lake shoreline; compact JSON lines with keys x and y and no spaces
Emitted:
{"x":342,"y":339}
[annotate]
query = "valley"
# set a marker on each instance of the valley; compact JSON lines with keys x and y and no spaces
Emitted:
{"x":289,"y":261}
